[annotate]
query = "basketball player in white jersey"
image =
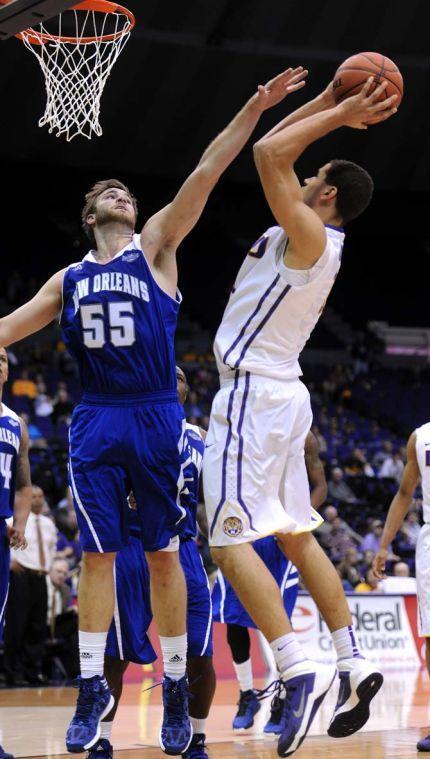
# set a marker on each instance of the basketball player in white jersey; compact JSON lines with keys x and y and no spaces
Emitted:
{"x":417,"y":464}
{"x":262,"y":414}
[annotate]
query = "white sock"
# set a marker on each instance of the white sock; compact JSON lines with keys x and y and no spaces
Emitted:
{"x":174,"y":652}
{"x":199,"y":726}
{"x":92,"y":653}
{"x":106,"y":730}
{"x":287,"y":651}
{"x":244,"y":675}
{"x":345,"y":643}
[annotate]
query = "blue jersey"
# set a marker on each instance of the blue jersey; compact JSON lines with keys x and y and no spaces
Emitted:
{"x":10,"y":442}
{"x":120,"y":325}
{"x":195,"y":447}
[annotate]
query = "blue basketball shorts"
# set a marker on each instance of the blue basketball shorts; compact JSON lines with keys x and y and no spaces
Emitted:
{"x":127,"y":637}
{"x":118,"y":448}
{"x":4,"y":573}
{"x":226,"y":606}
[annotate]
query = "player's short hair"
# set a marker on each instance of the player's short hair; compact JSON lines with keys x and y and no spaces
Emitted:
{"x":91,"y":200}
{"x":354,"y":188}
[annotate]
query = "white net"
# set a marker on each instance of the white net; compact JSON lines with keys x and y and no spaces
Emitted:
{"x":77,"y":66}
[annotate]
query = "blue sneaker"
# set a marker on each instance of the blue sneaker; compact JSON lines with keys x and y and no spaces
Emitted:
{"x":196,"y":749}
{"x":248,"y":705}
{"x":359,"y":683}
{"x":275,"y":723}
{"x":176,"y":731}
{"x":422,"y":745}
{"x":103,"y":749}
{"x":4,"y":754}
{"x":306,"y":685}
{"x":94,"y":702}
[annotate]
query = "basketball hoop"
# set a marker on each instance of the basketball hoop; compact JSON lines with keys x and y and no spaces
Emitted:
{"x":76,"y":58}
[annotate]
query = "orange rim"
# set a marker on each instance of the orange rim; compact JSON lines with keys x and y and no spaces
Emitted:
{"x":100,"y":6}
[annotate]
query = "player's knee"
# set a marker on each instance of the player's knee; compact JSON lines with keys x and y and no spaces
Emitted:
{"x":296,"y":546}
{"x":163,"y":562}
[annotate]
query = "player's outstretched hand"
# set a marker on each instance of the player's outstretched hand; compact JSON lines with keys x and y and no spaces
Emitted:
{"x":379,"y":562}
{"x":16,"y":537}
{"x":277,"y":89}
{"x":366,"y":108}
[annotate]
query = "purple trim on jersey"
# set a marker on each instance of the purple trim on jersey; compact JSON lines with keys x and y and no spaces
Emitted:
{"x":254,"y":313}
{"x":336,"y":229}
{"x":224,"y":458}
{"x":262,"y":323}
{"x":240,"y":452}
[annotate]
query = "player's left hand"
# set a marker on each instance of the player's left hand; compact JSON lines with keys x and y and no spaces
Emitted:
{"x":16,"y":536}
{"x":277,"y":89}
{"x":379,"y":562}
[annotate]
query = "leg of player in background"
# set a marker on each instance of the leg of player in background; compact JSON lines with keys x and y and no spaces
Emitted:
{"x":359,"y":680}
{"x":239,"y":640}
{"x":424,"y":743}
{"x":202,"y":684}
{"x":96,"y":605}
{"x":114,"y":672}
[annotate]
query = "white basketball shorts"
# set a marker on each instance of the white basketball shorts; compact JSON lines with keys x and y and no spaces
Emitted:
{"x":422,"y":570}
{"x":254,"y":473}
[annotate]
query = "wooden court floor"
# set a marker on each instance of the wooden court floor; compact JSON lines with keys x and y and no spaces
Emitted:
{"x":33,"y":723}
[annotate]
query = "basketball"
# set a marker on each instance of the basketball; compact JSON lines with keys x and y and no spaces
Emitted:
{"x":353,"y":73}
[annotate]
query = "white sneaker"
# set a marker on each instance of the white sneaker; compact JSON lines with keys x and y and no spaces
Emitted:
{"x":359,"y":683}
{"x":306,"y":684}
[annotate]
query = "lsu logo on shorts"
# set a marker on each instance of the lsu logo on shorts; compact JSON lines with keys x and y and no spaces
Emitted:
{"x":232,"y":526}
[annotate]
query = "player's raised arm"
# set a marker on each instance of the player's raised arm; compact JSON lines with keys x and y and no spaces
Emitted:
{"x":166,"y":229}
{"x":23,"y":493}
{"x":315,"y":470}
{"x":34,"y":315}
{"x":276,"y":154}
{"x":399,"y":506}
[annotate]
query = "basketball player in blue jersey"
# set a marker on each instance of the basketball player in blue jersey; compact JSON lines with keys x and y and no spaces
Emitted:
{"x":118,"y":315}
{"x":15,"y":491}
{"x":228,"y":609}
{"x":128,"y":639}
{"x":261,"y":415}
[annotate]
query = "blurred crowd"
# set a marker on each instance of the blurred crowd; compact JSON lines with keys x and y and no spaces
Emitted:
{"x":363,"y":461}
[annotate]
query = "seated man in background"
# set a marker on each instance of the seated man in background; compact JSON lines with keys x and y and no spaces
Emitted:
{"x":62,"y":620}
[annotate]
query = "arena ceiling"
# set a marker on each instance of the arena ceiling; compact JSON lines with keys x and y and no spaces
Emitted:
{"x":190,"y":65}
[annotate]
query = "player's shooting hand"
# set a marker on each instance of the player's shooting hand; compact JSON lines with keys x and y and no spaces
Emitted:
{"x":379,"y":562}
{"x":16,"y":536}
{"x":277,"y":89}
{"x":366,"y":108}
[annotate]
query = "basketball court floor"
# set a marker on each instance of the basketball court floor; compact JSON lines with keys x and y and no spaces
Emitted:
{"x":33,"y":723}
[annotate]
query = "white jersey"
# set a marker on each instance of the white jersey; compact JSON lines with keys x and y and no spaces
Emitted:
{"x":272,"y":309}
{"x":423,"y":457}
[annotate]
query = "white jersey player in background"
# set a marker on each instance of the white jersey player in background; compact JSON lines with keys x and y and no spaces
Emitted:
{"x":262,"y":414}
{"x":417,"y":464}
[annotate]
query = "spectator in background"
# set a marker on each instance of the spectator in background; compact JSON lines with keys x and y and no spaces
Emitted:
{"x":43,"y":403}
{"x":385,"y":452}
{"x":26,"y":609}
{"x":63,"y":408}
{"x":62,"y":619}
{"x":338,"y":489}
{"x":370,"y":583}
{"x":392,"y":467}
{"x":357,"y":465}
{"x":338,"y":540}
{"x":330,"y":514}
{"x":401,"y":581}
{"x":367,"y":562}
{"x":348,"y":569}
{"x":24,"y":386}
{"x":372,"y":540}
{"x":411,"y":529}
{"x":36,"y":438}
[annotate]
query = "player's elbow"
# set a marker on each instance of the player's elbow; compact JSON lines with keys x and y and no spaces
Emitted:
{"x":268,"y":152}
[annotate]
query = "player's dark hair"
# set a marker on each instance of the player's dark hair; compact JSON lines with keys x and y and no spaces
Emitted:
{"x":354,"y":188}
{"x":91,"y":200}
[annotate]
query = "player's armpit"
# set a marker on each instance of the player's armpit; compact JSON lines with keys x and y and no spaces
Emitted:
{"x":303,"y":226}
{"x":34,"y":315}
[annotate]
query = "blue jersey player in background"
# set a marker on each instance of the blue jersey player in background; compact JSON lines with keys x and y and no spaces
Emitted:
{"x":15,"y":491}
{"x":228,"y":609}
{"x":118,"y":314}
{"x":128,"y":640}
